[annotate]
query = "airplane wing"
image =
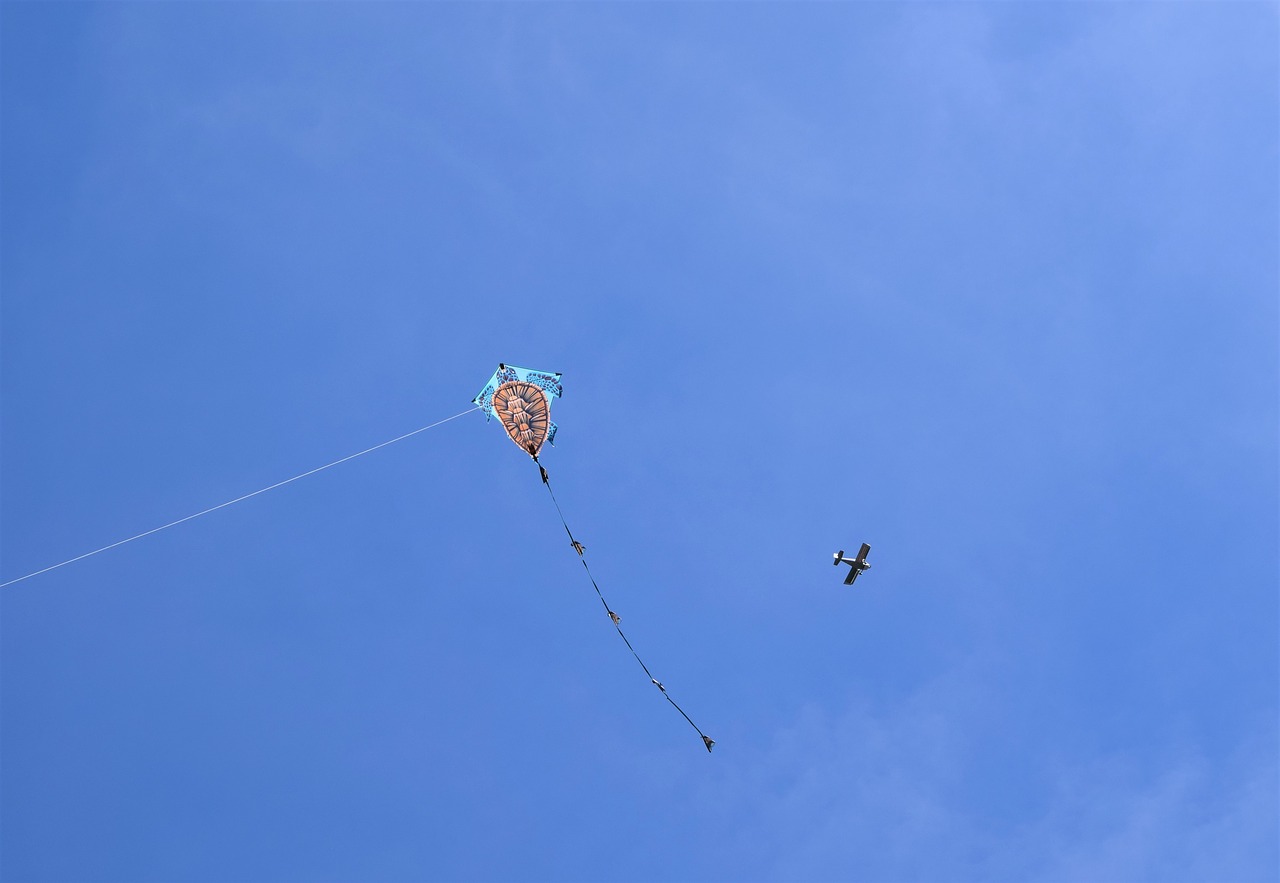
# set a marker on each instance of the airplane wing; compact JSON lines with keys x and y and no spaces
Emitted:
{"x":853,"y":574}
{"x":862,"y":553}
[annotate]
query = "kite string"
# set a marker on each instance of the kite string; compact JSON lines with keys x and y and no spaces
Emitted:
{"x":578,"y":547}
{"x":237,"y":499}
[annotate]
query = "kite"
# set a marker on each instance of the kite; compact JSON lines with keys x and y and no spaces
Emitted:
{"x":520,"y":399}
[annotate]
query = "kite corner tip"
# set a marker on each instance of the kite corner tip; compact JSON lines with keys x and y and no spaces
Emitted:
{"x":708,"y":741}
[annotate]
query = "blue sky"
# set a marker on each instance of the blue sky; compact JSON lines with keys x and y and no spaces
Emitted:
{"x":989,"y":286}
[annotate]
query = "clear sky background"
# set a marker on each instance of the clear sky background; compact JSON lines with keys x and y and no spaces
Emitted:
{"x":992,"y":287}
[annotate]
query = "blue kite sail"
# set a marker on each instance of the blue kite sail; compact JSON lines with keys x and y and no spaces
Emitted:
{"x":521,"y":400}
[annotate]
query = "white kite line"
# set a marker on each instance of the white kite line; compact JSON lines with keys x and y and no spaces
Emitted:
{"x":237,"y":499}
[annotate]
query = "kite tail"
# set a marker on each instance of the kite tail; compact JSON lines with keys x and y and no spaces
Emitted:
{"x":614,"y":618}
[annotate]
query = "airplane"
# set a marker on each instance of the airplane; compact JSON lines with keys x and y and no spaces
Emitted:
{"x":858,"y":564}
